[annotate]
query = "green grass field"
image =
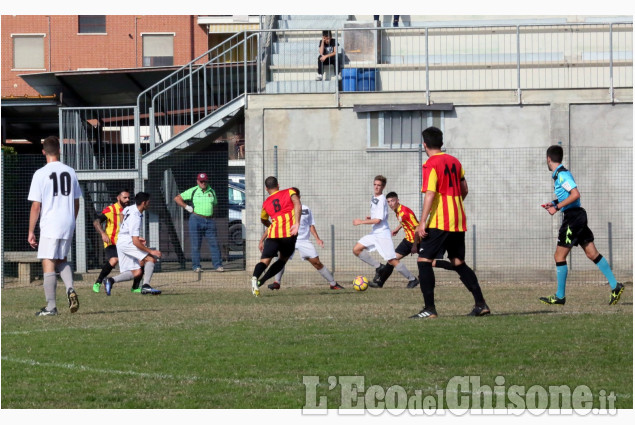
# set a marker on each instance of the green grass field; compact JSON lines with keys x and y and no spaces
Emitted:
{"x":219,"y":347}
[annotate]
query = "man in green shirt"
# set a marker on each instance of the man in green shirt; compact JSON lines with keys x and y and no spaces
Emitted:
{"x":201,"y":224}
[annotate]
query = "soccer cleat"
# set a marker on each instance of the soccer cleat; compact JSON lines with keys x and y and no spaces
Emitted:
{"x":616,"y":294}
{"x":426,"y":313}
{"x":148,"y":290}
{"x":96,"y":287}
{"x":45,"y":312}
{"x":135,"y":290}
{"x":73,"y":300}
{"x":273,"y":286}
{"x":337,"y":286}
{"x":482,"y":310}
{"x":255,"y":285}
{"x":378,"y":272}
{"x":413,"y":283}
{"x":552,"y":299}
{"x":108,"y":282}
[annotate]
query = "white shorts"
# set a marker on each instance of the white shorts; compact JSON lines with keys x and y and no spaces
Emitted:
{"x":53,"y":249}
{"x":383,"y":245}
{"x":306,"y":249}
{"x":129,"y":257}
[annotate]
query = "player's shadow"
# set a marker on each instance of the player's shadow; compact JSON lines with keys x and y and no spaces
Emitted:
{"x":526,"y":313}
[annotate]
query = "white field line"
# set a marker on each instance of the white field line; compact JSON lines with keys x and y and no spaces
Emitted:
{"x":163,"y":376}
{"x":158,"y":376}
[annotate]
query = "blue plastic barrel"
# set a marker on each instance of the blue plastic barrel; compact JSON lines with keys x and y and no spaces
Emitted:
{"x":349,"y":78}
{"x":366,"y":79}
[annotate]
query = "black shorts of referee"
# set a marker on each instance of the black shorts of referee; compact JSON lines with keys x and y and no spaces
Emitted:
{"x":574,"y":230}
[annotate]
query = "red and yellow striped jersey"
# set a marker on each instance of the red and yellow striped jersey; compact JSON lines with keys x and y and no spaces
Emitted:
{"x":408,"y":221}
{"x":279,"y":207}
{"x":112,"y":214}
{"x":442,"y":173}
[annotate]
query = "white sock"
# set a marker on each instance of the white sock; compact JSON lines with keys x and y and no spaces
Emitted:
{"x":326,"y":274}
{"x":123,"y":276}
{"x":278,"y":277}
{"x":64,"y":269}
{"x":401,"y":268}
{"x":50,"y":284}
{"x":366,"y":258}
{"x":148,"y":270}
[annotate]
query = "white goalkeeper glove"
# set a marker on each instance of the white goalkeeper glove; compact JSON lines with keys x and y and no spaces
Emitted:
{"x":189,"y":209}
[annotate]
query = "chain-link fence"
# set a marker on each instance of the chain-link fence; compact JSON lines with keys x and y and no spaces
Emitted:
{"x":510,"y":237}
{"x":165,"y":224}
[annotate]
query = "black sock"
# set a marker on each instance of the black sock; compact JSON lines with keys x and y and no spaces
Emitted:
{"x":469,"y":279}
{"x":273,"y":270}
{"x":105,"y":271}
{"x":137,"y":280}
{"x":260,"y":267}
{"x":426,"y":283}
{"x":443,"y":264}
{"x":386,"y":272}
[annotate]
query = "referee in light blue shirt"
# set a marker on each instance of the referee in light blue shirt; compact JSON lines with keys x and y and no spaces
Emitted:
{"x":201,"y":224}
{"x":574,"y":230}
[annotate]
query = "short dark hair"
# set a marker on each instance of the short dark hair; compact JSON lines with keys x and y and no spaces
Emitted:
{"x":141,"y":197}
{"x":327,"y":33}
{"x":555,"y":153}
{"x":122,"y":191}
{"x":381,"y":178}
{"x":392,"y":195}
{"x":432,"y":137}
{"x":51,"y":145}
{"x":271,"y":182}
{"x":296,"y":190}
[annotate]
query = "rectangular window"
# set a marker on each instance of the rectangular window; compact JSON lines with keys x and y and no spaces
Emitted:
{"x":158,"y":49}
{"x":28,"y":51}
{"x":92,"y":24}
{"x":400,"y":129}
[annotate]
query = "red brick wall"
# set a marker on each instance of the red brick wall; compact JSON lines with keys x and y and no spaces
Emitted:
{"x":120,"y":47}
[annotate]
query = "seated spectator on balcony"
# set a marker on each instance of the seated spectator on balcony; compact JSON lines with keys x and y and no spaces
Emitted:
{"x":327,"y":50}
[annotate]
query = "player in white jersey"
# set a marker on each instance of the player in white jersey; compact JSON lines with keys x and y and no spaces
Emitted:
{"x":304,"y":245}
{"x":55,"y":194}
{"x":135,"y":258}
{"x":380,"y":239}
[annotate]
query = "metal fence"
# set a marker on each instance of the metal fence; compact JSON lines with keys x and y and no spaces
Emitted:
{"x":202,"y":96}
{"x":510,"y":237}
{"x":519,"y":57}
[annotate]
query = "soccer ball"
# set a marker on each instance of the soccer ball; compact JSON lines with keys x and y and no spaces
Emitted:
{"x":360,"y":283}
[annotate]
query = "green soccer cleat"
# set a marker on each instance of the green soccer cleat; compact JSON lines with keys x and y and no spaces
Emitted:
{"x":96,"y":287}
{"x":552,"y":299}
{"x":616,"y":294}
{"x":135,"y":290}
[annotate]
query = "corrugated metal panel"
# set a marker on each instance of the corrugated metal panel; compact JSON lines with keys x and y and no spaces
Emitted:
{"x":230,"y":28}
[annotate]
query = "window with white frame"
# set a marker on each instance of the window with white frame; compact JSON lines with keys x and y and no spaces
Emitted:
{"x":158,"y":49}
{"x":28,"y":51}
{"x":400,"y":129}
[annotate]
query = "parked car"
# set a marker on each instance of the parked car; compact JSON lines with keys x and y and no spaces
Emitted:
{"x":236,"y":215}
